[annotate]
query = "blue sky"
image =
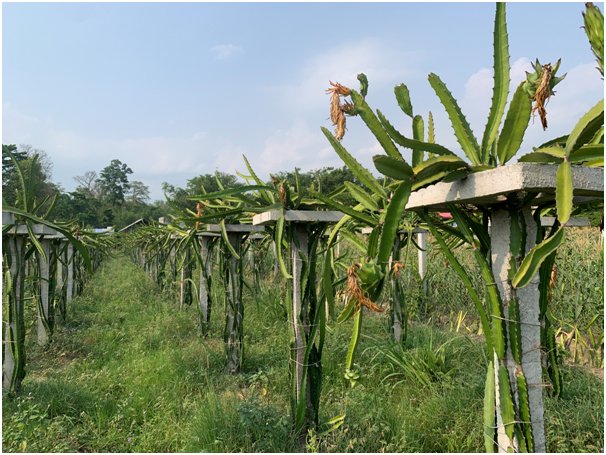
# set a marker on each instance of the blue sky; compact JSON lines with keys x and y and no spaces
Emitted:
{"x":178,"y":90}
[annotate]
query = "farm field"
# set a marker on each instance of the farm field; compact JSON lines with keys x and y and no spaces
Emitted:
{"x":129,"y":372}
{"x":440,"y":291}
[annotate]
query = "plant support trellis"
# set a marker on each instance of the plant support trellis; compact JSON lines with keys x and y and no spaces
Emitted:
{"x":511,"y":196}
{"x":232,"y":269}
{"x":307,"y":314}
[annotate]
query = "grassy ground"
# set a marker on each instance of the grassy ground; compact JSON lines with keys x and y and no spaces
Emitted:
{"x":130,"y":373}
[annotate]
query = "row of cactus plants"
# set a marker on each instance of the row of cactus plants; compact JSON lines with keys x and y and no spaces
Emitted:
{"x":45,"y":264}
{"x":512,"y":408}
{"x":513,"y":417}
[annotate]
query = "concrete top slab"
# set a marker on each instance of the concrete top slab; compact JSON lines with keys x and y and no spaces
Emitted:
{"x":492,"y":186}
{"x":37,"y":229}
{"x":297,"y":216}
{"x":234,"y":228}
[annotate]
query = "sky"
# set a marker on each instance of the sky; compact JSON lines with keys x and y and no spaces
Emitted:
{"x":175,"y":90}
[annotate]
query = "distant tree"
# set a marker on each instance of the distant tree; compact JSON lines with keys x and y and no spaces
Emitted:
{"x":88,"y":183}
{"x":35,"y":167}
{"x":210,"y":184}
{"x":79,"y":206}
{"x":138,"y":193}
{"x":177,"y":197}
{"x":9,"y":174}
{"x":324,"y":180}
{"x":113,"y":182}
{"x":46,"y":164}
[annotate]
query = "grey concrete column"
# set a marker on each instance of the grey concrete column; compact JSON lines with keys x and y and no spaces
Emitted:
{"x":530,"y":327}
{"x":184,"y":282}
{"x":59,"y":287}
{"x":204,"y":288}
{"x":422,"y":259}
{"x":43,"y":329}
{"x":300,"y":324}
{"x":70,"y":274}
{"x":234,"y":307}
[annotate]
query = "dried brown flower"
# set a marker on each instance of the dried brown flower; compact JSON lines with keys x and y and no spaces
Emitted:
{"x":354,"y":290}
{"x":542,"y":95}
{"x":396,"y":267}
{"x":282,"y":193}
{"x":199,"y":211}
{"x":338,"y":110}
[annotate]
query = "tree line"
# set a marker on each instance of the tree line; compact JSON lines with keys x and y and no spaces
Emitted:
{"x":109,"y":198}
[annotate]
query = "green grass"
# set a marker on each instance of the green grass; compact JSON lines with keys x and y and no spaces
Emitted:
{"x":129,"y":372}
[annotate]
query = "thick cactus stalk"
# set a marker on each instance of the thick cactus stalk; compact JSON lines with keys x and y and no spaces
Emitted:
{"x":422,"y":261}
{"x":204,"y":298}
{"x":307,"y":320}
{"x":185,"y":287}
{"x":69,"y":279}
{"x":521,"y":317}
{"x":60,"y":286}
{"x":44,"y":326}
{"x":234,"y":307}
{"x":299,"y":326}
{"x":398,"y":318}
{"x":13,"y":370}
{"x":551,"y":361}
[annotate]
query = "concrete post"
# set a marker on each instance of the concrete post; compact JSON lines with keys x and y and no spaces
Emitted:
{"x":276,"y":263}
{"x":300,"y":324}
{"x":422,"y":259}
{"x":530,"y":326}
{"x":43,"y":327}
{"x":397,"y":312}
{"x":234,"y":308}
{"x":185,"y":296}
{"x":60,"y":282}
{"x":204,"y":288}
{"x":70,"y":274}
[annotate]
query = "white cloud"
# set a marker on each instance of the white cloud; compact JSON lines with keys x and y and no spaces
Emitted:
{"x":225,"y":51}
{"x":477,"y":96}
{"x":154,"y":159}
{"x":296,"y":146}
{"x":381,"y":64}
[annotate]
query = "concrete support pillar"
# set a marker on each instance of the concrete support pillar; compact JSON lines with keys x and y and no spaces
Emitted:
{"x":60,"y":281}
{"x":299,"y":323}
{"x":276,"y":263}
{"x":69,"y":282}
{"x":43,"y":327}
{"x":529,"y":325}
{"x":234,"y":308}
{"x":422,"y":259}
{"x":204,"y":297}
{"x":185,"y":297}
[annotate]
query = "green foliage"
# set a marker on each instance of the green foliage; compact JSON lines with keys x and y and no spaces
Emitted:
{"x":117,"y":380}
{"x":113,"y":182}
{"x":426,"y":365}
{"x":10,"y":181}
{"x":594,"y":28}
{"x":501,"y":82}
{"x":458,"y":121}
{"x":515,"y":125}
